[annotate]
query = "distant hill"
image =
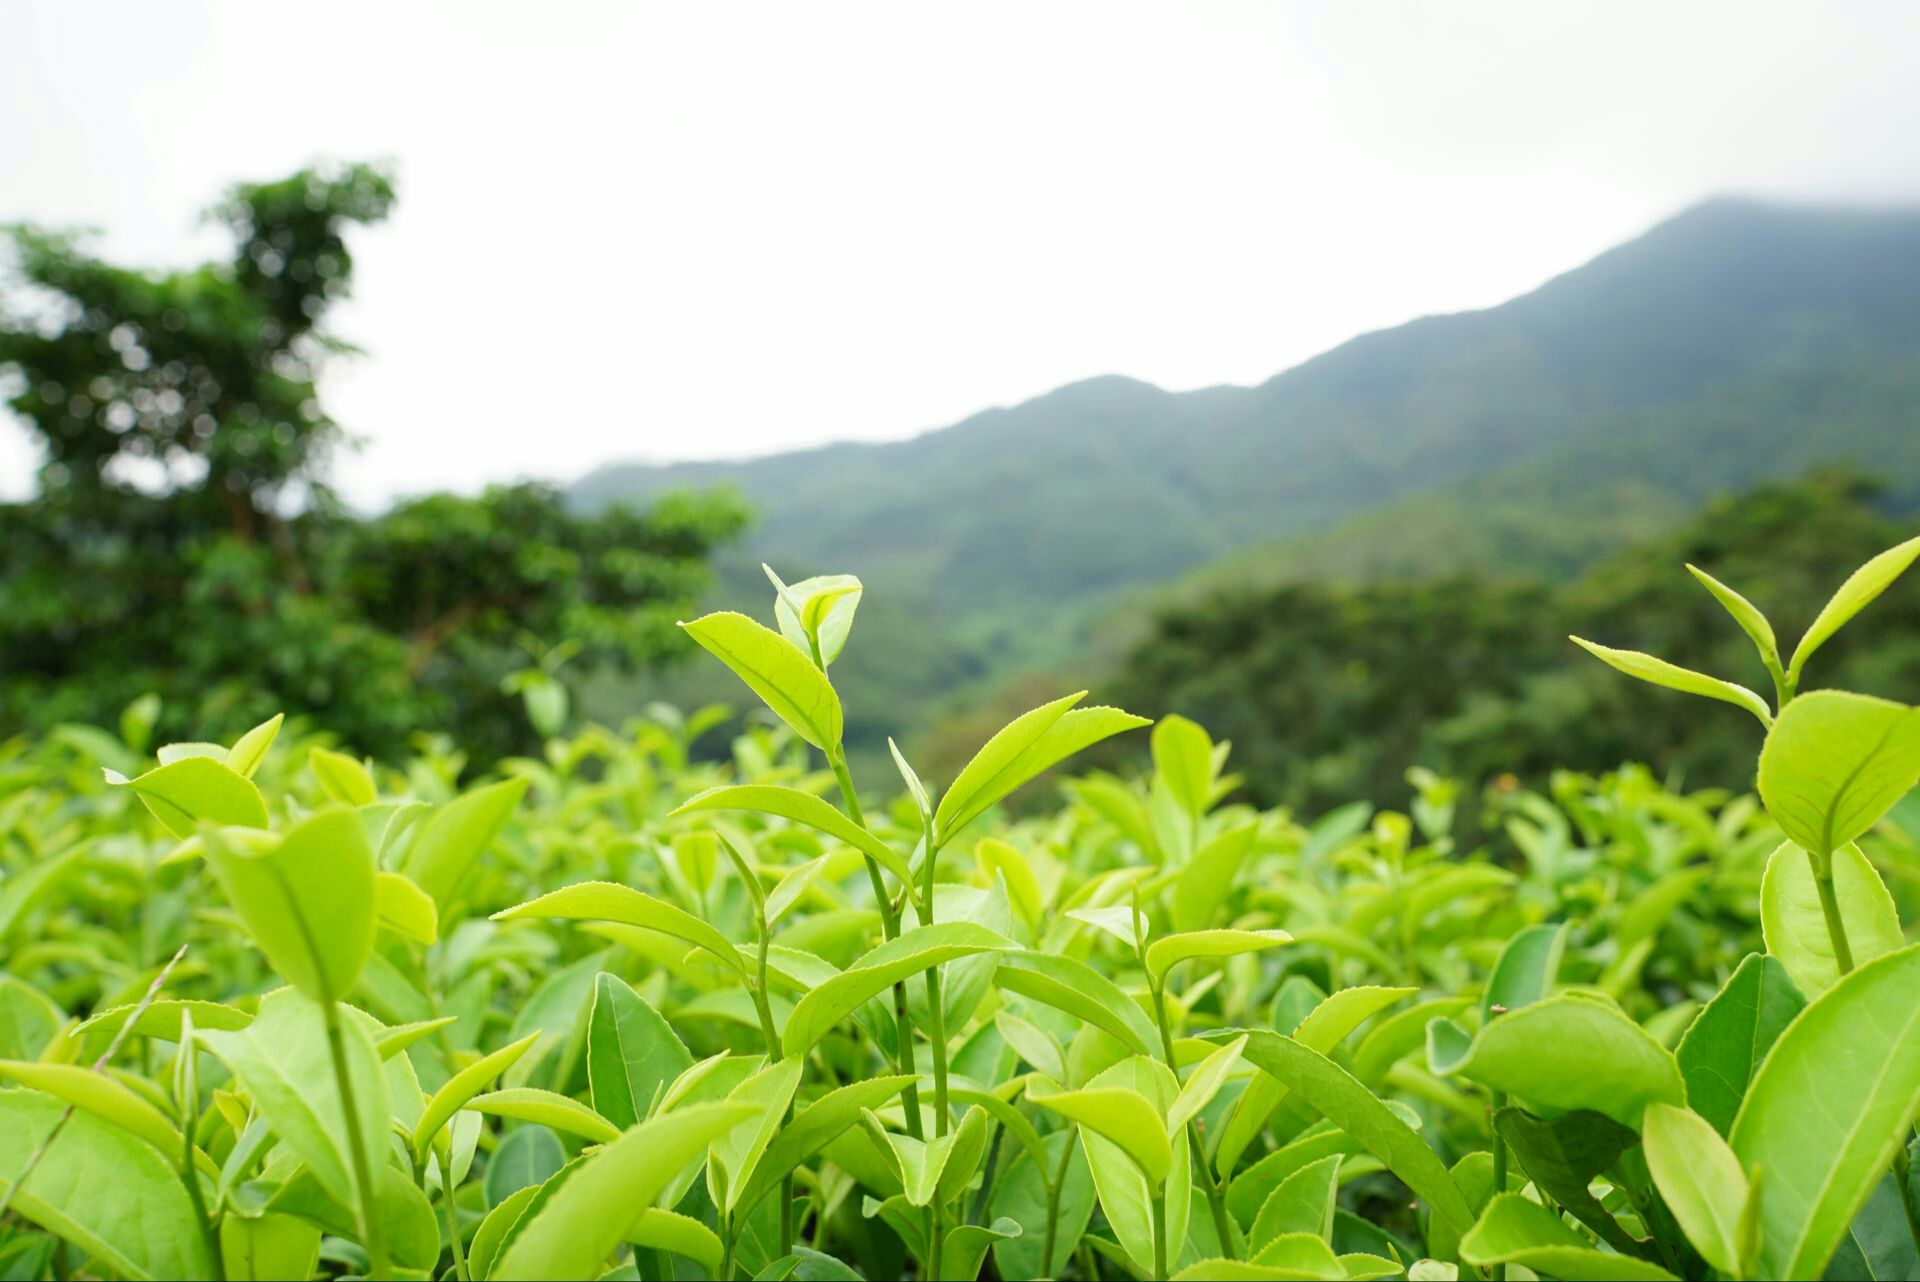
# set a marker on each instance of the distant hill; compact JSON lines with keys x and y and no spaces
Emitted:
{"x":1736,"y":342}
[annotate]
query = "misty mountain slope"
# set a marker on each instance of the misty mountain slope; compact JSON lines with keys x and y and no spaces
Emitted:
{"x":1736,"y":341}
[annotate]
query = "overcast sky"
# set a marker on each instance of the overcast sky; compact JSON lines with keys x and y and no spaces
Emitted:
{"x":673,"y":231}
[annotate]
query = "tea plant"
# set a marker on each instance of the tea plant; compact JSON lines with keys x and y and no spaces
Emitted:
{"x":269,"y":1010}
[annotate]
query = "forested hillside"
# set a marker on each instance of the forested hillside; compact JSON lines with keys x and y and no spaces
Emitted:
{"x":1736,"y":343}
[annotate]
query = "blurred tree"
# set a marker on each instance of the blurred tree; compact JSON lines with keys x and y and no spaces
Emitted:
{"x":184,"y":539}
{"x":1332,"y":692}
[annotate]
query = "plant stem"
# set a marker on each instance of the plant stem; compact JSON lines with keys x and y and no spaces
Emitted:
{"x":1216,"y":1201}
{"x":935,"y":1233}
{"x":1903,"y":1180}
{"x":1054,"y":1185}
{"x":196,"y":1197}
{"x":1160,"y":1234}
{"x":889,"y":929}
{"x":937,"y":1013}
{"x":726,"y":1248}
{"x":367,"y":1211}
{"x":1499,"y":1166}
{"x":453,"y":1212}
{"x":1830,"y":909}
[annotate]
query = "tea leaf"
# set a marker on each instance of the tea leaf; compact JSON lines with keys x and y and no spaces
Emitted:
{"x":663,"y":1230}
{"x":802,"y":808}
{"x":1513,"y":1230}
{"x":404,"y":908}
{"x":1303,"y":1203}
{"x":818,"y":611}
{"x":108,"y":1099}
{"x":781,"y":674}
{"x":1858,"y":592}
{"x":458,"y":833}
{"x":1674,"y":677}
{"x":250,"y":749}
{"x":1183,"y":759}
{"x":463,"y":1086}
{"x":1526,"y":971}
{"x":1835,"y":763}
{"x":631,"y":1052}
{"x":992,"y":773}
{"x":306,"y":897}
{"x":531,"y":1104}
{"x":1124,"y":1118}
{"x":1701,"y":1180}
{"x":573,"y":1232}
{"x":1569,"y":1052}
{"x":1746,"y":614}
{"x":1166,"y":953}
{"x":909,"y":954}
{"x":197,"y":790}
{"x":1856,"y":1052}
{"x":606,"y":901}
{"x":283,"y":1061}
{"x":268,"y":1246}
{"x":1723,"y":1049}
{"x":1795,"y":925}
{"x":812,"y":1129}
{"x":138,"y":1223}
{"x":1080,"y":991}
{"x":342,"y":777}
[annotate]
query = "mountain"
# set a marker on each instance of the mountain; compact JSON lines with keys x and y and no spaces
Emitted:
{"x":1735,"y":342}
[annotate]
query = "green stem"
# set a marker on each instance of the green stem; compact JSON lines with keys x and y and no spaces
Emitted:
{"x":936,"y":1232}
{"x":1159,"y":1234}
{"x":937,"y":1013}
{"x":1830,"y":909}
{"x":726,"y":1248}
{"x":1054,"y":1186}
{"x":1499,"y":1167}
{"x":1216,"y":1201}
{"x":367,"y":1211}
{"x":889,"y":929}
{"x":1903,"y":1183}
{"x":453,"y":1212}
{"x":191,"y":1175}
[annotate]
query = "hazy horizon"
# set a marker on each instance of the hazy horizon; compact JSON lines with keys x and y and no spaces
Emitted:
{"x":664,"y":235}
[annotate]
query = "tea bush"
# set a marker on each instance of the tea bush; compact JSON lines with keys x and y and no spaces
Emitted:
{"x":271,"y":1011}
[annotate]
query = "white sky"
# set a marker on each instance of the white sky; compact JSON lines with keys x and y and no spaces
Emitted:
{"x":691,"y":230}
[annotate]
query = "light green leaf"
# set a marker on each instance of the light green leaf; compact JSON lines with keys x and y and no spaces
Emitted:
{"x":1207,"y":880}
{"x":456,"y":834}
{"x":283,"y":1061}
{"x":915,"y":789}
{"x":109,"y":1099}
{"x":782,"y":674}
{"x":1795,"y":925}
{"x":814,"y":611}
{"x":1858,"y":592}
{"x":499,"y":1223}
{"x":1836,"y":762}
{"x":1080,"y":991}
{"x":1033,"y":1044}
{"x":162,"y":1018}
{"x":1527,"y":969}
{"x":662,"y":1230}
{"x":1123,"y":1117}
{"x":1700,"y":1179}
{"x":1204,"y":1084}
{"x":812,"y":1129}
{"x":1399,"y":1035}
{"x":910,"y":953}
{"x":965,"y":1248}
{"x":1661,"y":673}
{"x":1564,"y":1155}
{"x":991,"y":774}
{"x":1726,"y":1042}
{"x":196,"y":790}
{"x":250,"y":749}
{"x":307,"y":897}
{"x":463,"y":1086}
{"x":802,"y":808}
{"x":408,"y":1226}
{"x":343,"y":778}
{"x":1829,"y":1108}
{"x":547,"y":1108}
{"x":1569,"y":1052}
{"x":571,"y":1234}
{"x":404,"y":908}
{"x":1074,"y":732}
{"x":1513,"y":1230}
{"x":734,"y":1154}
{"x":1166,"y":953}
{"x":392,"y":1040}
{"x":1303,"y":1203}
{"x":631,"y":1052}
{"x":1746,"y":614}
{"x":792,"y":885}
{"x":1354,"y":1109}
{"x":1183,"y":759}
{"x":608,"y":901}
{"x":101,"y":1188}
{"x":266,"y":1247}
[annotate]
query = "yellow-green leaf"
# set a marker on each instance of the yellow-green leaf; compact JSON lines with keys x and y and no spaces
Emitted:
{"x":782,"y":675}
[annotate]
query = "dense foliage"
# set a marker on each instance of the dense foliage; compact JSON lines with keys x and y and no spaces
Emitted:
{"x":1331,"y":692}
{"x":623,"y":1013}
{"x":184,"y":542}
